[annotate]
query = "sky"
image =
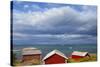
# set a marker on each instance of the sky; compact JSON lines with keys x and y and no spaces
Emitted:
{"x":51,"y":23}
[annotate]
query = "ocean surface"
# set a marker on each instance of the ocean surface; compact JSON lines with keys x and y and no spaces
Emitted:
{"x":66,"y":49}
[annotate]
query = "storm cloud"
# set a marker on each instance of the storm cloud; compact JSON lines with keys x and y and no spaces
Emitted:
{"x":56,"y":25}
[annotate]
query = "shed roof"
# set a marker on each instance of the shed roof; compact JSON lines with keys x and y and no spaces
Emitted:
{"x":29,"y":48}
{"x":54,"y":52}
{"x":79,"y":53}
{"x":30,"y":51}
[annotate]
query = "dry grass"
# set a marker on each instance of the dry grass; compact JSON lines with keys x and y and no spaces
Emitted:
{"x":93,"y":57}
{"x":32,"y":62}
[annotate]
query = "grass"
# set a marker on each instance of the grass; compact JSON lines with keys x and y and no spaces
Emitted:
{"x":33,"y":62}
{"x":17,"y":63}
{"x":93,"y":57}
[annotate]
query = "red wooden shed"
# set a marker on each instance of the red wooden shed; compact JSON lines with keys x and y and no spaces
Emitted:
{"x":54,"y":57}
{"x":78,"y":55}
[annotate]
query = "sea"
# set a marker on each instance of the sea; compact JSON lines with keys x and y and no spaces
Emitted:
{"x":67,"y":49}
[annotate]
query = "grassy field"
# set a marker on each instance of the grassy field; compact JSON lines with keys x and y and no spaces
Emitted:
{"x":92,"y":58}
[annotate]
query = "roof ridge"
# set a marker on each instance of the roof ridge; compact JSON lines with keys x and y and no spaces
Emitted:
{"x":54,"y":52}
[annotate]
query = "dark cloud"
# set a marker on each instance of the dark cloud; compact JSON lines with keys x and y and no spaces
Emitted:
{"x":56,"y":25}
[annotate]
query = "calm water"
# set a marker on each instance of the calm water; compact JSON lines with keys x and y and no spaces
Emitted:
{"x":66,"y":49}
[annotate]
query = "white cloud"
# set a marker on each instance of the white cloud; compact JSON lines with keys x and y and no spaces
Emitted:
{"x":59,"y":36}
{"x":57,"y":20}
{"x":54,"y":16}
{"x":26,"y":6}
